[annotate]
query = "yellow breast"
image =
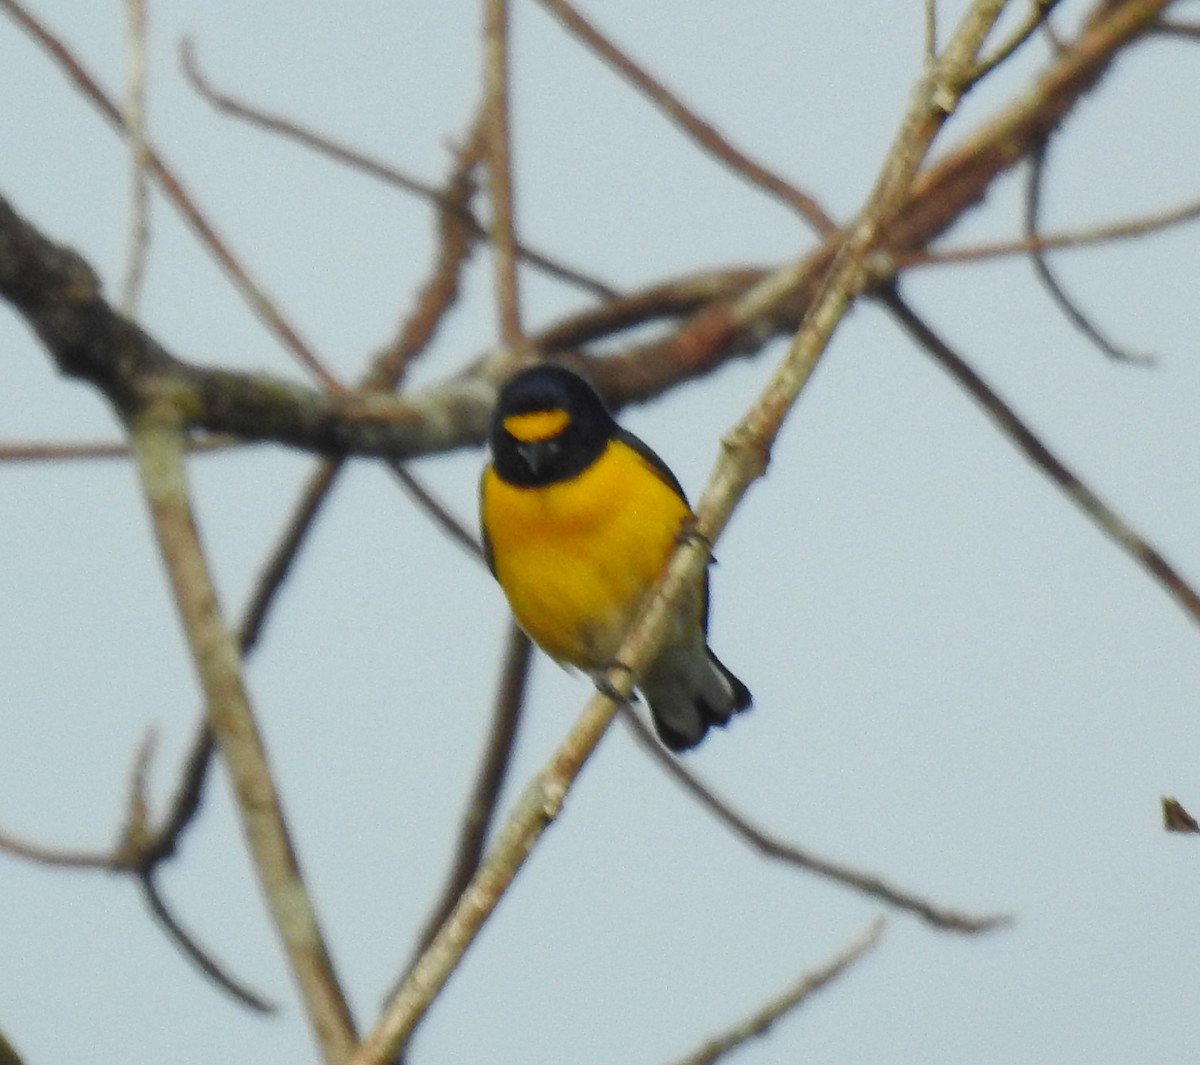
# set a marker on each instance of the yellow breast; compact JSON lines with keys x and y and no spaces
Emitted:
{"x":575,"y":558}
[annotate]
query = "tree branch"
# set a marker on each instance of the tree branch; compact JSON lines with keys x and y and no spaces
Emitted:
{"x":710,"y":139}
{"x":1010,"y":424}
{"x":779,"y":850}
{"x":259,"y":302}
{"x":758,"y":1023}
{"x":157,"y":439}
{"x":743,"y":458}
{"x":326,"y":145}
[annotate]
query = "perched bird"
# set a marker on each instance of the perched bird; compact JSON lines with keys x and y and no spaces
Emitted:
{"x":579,"y":519}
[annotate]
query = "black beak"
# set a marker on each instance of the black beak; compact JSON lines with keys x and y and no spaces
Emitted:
{"x":538,"y":455}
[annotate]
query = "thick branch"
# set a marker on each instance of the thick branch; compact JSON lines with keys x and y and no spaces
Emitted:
{"x":59,"y":295}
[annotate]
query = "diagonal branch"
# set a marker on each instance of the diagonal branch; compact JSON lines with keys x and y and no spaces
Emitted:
{"x":1010,"y":424}
{"x":196,"y":954}
{"x":157,"y":439}
{"x":170,"y":184}
{"x":139,"y":849}
{"x":493,"y":771}
{"x":788,"y":853}
{"x":744,"y":457}
{"x":759,"y":1022}
{"x":326,"y":145}
{"x":702,"y":132}
{"x":1041,"y":267}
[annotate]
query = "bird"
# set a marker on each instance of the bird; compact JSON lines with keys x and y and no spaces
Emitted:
{"x":579,"y":519}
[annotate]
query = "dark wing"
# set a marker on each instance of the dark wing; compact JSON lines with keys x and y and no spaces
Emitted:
{"x":668,"y":478}
{"x":661,"y":468}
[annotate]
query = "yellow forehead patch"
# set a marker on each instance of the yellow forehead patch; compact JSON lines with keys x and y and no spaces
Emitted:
{"x":537,"y":425}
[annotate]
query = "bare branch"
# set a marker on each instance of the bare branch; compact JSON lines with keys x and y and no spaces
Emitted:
{"x":703,"y":133}
{"x":1039,"y":12}
{"x":330,"y":147}
{"x":493,"y":771}
{"x":758,"y":1023}
{"x":1126,"y":229}
{"x":499,"y":159}
{"x":200,"y":958}
{"x":157,"y":439}
{"x":457,"y":236}
{"x":1010,"y":424}
{"x":135,"y":125}
{"x":1175,"y":28}
{"x":175,"y":192}
{"x":456,"y":414}
{"x":188,"y":795}
{"x":62,"y":857}
{"x":138,"y":851}
{"x":455,"y":531}
{"x":59,"y":452}
{"x":59,"y":296}
{"x":433,"y":302}
{"x":773,"y":847}
{"x":1041,"y":266}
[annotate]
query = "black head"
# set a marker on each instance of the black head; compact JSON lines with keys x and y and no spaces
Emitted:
{"x":549,"y":425}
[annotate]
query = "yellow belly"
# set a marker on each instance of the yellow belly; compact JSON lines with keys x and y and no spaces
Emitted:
{"x":577,"y":557}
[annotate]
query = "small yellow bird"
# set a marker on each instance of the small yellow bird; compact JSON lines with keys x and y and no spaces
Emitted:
{"x":579,"y":520}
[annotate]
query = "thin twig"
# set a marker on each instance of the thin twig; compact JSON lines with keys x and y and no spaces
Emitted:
{"x":200,"y":958}
{"x":493,"y":771}
{"x":1174,"y":28}
{"x":457,"y":237}
{"x":437,"y":512}
{"x":157,"y":439}
{"x":499,"y":168}
{"x":433,"y":303}
{"x":1125,"y":229}
{"x":139,"y":850}
{"x":763,"y":1018}
{"x":188,"y":795}
{"x":789,"y":854}
{"x":60,"y":857}
{"x":1039,"y":12}
{"x":1010,"y":424}
{"x":175,"y":192}
{"x":279,"y":563}
{"x":1041,"y":266}
{"x":135,"y":125}
{"x":330,"y":147}
{"x":702,"y":132}
{"x":58,"y":452}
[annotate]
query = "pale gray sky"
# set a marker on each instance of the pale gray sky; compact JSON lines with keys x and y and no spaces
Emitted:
{"x":959,"y":684}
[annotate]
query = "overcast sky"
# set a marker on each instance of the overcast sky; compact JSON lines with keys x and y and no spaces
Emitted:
{"x":959,"y":683}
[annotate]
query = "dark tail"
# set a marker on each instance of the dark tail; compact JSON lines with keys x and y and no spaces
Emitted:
{"x":682,"y":715}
